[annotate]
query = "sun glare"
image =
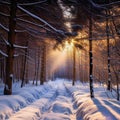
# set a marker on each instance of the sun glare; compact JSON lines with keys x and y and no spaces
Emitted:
{"x":60,"y":56}
{"x":69,"y":45}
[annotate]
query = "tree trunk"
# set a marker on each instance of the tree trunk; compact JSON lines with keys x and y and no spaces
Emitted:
{"x":43,"y":65}
{"x":90,"y":58}
{"x":10,"y":49}
{"x":117,"y":82}
{"x":38,"y":65}
{"x":108,"y":52}
{"x":74,"y":65}
{"x":24,"y":66}
{"x":35,"y":68}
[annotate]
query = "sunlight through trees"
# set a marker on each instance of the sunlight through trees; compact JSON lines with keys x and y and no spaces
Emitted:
{"x":74,"y":40}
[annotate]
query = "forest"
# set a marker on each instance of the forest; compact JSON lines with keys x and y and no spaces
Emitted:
{"x":31,"y":31}
{"x":51,"y":50}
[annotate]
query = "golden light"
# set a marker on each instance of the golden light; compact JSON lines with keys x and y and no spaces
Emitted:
{"x":59,"y":57}
{"x":69,"y":45}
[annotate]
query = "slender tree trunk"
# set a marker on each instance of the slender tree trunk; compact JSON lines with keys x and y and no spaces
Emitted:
{"x":108,"y":52}
{"x":35,"y":68}
{"x":0,"y":69}
{"x":74,"y":65}
{"x":26,"y":70}
{"x":117,"y":82}
{"x":10,"y":48}
{"x":43,"y":65}
{"x":24,"y":66}
{"x":90,"y":58}
{"x":21,"y":67}
{"x":19,"y":63}
{"x":38,"y":65}
{"x":3,"y":70}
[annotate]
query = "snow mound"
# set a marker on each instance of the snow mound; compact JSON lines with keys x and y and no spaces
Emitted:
{"x":5,"y":112}
{"x":88,"y":111}
{"x":9,"y":106}
{"x":61,"y":107}
{"x":28,"y":113}
{"x":55,"y":116}
{"x":21,"y":98}
{"x":63,"y":99}
{"x":95,"y":109}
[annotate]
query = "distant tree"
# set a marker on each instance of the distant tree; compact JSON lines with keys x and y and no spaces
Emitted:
{"x":43,"y":64}
{"x":24,"y":65}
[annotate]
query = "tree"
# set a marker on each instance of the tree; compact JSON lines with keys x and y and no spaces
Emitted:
{"x":10,"y":48}
{"x":43,"y":64}
{"x":24,"y":65}
{"x":74,"y":65}
{"x":90,"y":57}
{"x":43,"y":25}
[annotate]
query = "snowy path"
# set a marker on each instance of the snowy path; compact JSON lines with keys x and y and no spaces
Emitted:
{"x":59,"y":100}
{"x":54,"y":105}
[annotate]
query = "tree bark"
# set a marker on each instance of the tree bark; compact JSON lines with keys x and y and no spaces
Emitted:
{"x":24,"y":66}
{"x":10,"y":48}
{"x":43,"y":65}
{"x":35,"y":68}
{"x":108,"y":52}
{"x":38,"y":66}
{"x":74,"y":65}
{"x":90,"y":58}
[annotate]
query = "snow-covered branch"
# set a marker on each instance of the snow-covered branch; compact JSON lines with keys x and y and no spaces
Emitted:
{"x":33,"y":3}
{"x":110,"y":4}
{"x":22,"y":52}
{"x":29,"y":22}
{"x":41,"y":20}
{"x":18,"y":46}
{"x":30,"y":29}
{"x":7,"y":43}
{"x":96,"y":5}
{"x":102,"y":15}
{"x":19,"y":31}
{"x":4,"y":54}
{"x":6,"y":29}
{"x":3,"y":14}
{"x":4,"y":2}
{"x":16,"y":55}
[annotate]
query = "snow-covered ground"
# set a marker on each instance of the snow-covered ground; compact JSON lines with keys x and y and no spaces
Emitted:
{"x":59,"y":100}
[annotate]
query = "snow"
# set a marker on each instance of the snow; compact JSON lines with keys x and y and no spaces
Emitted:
{"x":4,"y":54}
{"x":42,"y":20}
{"x":5,"y":28}
{"x":34,"y":3}
{"x":59,"y":100}
{"x":18,"y":46}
